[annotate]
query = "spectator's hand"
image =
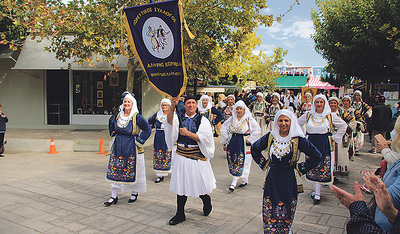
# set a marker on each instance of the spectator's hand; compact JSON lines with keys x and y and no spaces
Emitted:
{"x":382,"y":146}
{"x":367,"y":178}
{"x":346,"y":198}
{"x":382,"y":197}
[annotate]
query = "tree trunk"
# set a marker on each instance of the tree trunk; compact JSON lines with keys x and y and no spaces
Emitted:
{"x":132,"y":65}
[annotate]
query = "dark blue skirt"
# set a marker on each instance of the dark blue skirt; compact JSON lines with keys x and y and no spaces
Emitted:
{"x":323,"y":172}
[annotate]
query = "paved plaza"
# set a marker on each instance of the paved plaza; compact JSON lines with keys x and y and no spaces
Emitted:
{"x":64,"y":193}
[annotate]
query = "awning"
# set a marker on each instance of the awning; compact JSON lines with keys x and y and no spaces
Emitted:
{"x":34,"y":57}
{"x":6,"y":53}
{"x":317,"y":83}
{"x":291,"y":82}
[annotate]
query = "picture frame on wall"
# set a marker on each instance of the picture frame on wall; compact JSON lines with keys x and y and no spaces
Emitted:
{"x":99,"y":93}
{"x":114,"y":79}
{"x":99,"y":102}
{"x":99,"y":84}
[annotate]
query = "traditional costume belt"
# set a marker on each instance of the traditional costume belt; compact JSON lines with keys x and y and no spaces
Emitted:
{"x":191,"y":152}
{"x":317,"y":134}
{"x":259,"y":114}
{"x":239,"y":134}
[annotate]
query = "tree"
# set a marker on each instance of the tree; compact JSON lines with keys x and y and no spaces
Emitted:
{"x":349,"y":37}
{"x":95,"y":27}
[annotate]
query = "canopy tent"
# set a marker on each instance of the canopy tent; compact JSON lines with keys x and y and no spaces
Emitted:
{"x":317,"y":83}
{"x":291,"y":82}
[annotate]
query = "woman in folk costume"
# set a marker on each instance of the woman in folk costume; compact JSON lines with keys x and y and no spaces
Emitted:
{"x":306,"y":105}
{"x":126,"y":169}
{"x":319,"y":125}
{"x":366,"y":113}
{"x":161,"y":154}
{"x":259,"y":109}
{"x":273,"y":108}
{"x":228,"y":109}
{"x":207,"y":110}
{"x":283,"y":146}
{"x":237,"y":134}
{"x":342,"y":150}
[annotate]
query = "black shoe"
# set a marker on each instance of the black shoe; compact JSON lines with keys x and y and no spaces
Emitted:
{"x":1,"y":156}
{"x":177,"y":219}
{"x":357,"y":153}
{"x":159,"y":179}
{"x":242,"y":185}
{"x":109,"y":203}
{"x":232,"y":188}
{"x":317,"y":200}
{"x":133,"y":197}
{"x":373,"y":151}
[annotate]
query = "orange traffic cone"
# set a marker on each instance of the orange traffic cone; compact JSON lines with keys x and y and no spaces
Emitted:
{"x":101,"y":148}
{"x":52,"y":147}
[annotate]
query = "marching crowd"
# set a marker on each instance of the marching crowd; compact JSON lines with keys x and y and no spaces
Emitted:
{"x":288,"y":138}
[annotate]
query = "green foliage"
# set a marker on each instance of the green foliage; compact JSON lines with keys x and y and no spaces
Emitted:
{"x":348,"y":35}
{"x":224,"y":30}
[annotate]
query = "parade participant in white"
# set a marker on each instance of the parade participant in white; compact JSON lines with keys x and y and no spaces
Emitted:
{"x":237,"y":134}
{"x":259,"y":110}
{"x":319,"y":124}
{"x":273,"y":108}
{"x":192,"y":174}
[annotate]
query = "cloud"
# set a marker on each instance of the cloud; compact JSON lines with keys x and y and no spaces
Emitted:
{"x":282,"y":31}
{"x":268,"y":49}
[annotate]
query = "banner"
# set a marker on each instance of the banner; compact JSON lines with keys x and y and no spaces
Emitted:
{"x":155,"y":35}
{"x":305,"y":90}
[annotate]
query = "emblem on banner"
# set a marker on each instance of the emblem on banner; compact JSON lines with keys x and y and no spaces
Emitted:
{"x":158,"y":37}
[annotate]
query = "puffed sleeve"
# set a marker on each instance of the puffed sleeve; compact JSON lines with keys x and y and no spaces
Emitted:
{"x":255,"y":130}
{"x":390,"y":156}
{"x":152,"y":120}
{"x":224,"y":130}
{"x":206,"y":139}
{"x":219,"y":115}
{"x":314,"y":156}
{"x":302,"y":119}
{"x":171,"y":132}
{"x":146,"y":130}
{"x":341,"y":126}
{"x":256,"y":149}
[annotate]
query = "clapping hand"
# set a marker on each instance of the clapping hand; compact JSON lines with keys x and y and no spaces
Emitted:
{"x":346,"y":198}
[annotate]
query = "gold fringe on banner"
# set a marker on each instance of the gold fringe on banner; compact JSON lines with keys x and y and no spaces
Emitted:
{"x":121,"y":42}
{"x":184,"y":21}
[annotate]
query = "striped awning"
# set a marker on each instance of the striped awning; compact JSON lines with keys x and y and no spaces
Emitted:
{"x":317,"y":83}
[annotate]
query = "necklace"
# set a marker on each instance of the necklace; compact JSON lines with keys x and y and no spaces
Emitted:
{"x":316,"y":122}
{"x":280,"y":149}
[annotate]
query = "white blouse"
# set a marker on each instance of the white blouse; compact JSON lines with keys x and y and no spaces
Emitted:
{"x":227,"y":129}
{"x":320,"y":125}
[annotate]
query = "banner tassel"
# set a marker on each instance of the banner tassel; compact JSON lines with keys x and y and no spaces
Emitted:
{"x":191,"y":36}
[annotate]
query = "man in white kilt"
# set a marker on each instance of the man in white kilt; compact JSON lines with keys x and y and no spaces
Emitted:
{"x":192,"y":174}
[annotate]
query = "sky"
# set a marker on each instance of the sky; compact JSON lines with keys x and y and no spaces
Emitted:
{"x":292,"y":34}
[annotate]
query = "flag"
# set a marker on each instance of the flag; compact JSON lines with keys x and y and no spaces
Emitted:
{"x":155,"y":35}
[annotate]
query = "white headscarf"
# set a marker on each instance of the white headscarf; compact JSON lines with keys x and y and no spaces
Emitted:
{"x":334,"y":99}
{"x":327,"y":109}
{"x":232,"y":96}
{"x":200,"y":106}
{"x":160,"y":113}
{"x":359,"y":92}
{"x":246,"y":115}
{"x":123,"y":120}
{"x":347,"y":97}
{"x":295,"y":129}
{"x":260,"y":94}
{"x":308,"y":94}
{"x":277,"y":95}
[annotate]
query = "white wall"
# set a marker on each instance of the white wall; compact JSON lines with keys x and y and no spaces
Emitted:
{"x":21,"y":96}
{"x":151,"y":100}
